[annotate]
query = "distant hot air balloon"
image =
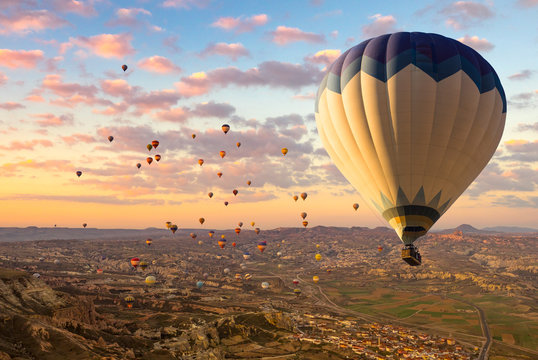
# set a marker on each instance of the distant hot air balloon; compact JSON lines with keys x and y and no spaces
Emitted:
{"x":315,"y":278}
{"x":135,"y":261}
{"x":155,"y":143}
{"x":225,"y":128}
{"x":237,"y":230}
{"x":234,"y":244}
{"x":304,"y":195}
{"x":210,"y":194}
{"x":265,"y":285}
{"x":248,"y":277}
{"x":257,"y":231}
{"x":279,"y":253}
{"x":226,"y":203}
{"x":99,"y":271}
{"x":284,"y":151}
{"x":199,"y":284}
{"x":356,"y":206}
{"x":149,"y":147}
{"x":79,"y":173}
{"x":222,"y":153}
{"x":379,"y":248}
{"x":149,"y":241}
{"x":318,"y":246}
{"x":84,"y":225}
{"x":295,"y":197}
{"x":305,"y":223}
{"x":173,"y":228}
{"x":238,"y":277}
{"x":149,"y":160}
{"x":252,"y":223}
{"x":226,"y":271}
{"x":303,"y":215}
{"x":168,"y":224}
{"x":318,"y":257}
{"x":238,"y":144}
{"x":157,"y":157}
{"x":193,"y":235}
{"x":240,"y":224}
{"x":413,"y":121}
{"x":129,"y":300}
{"x":150,"y":280}
{"x":222,"y":236}
{"x":246,"y":255}
{"x":222,"y":243}
{"x":211,"y":233}
{"x":219,"y":174}
{"x":124,"y":67}
{"x":295,"y":282}
{"x":200,"y":162}
{"x":200,"y":242}
{"x":138,"y":165}
{"x":262,"y":245}
{"x":297,"y":291}
{"x":201,"y":220}
{"x":235,"y":192}
{"x":193,"y":136}
{"x":110,"y":138}
{"x":143,"y":265}
{"x":249,"y":182}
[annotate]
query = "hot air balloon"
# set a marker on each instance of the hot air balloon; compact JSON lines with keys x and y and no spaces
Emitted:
{"x":150,"y":280}
{"x":278,"y":253}
{"x":99,"y":271}
{"x":149,"y":160}
{"x":356,"y":206}
{"x":193,"y":235}
{"x":84,"y":225}
{"x":154,"y":262}
{"x":199,"y":284}
{"x":238,"y":144}
{"x":318,"y":257}
{"x":252,"y":223}
{"x":222,"y":236}
{"x":200,"y":242}
{"x":143,"y":265}
{"x":225,"y":128}
{"x":248,"y":277}
{"x":211,"y":233}
{"x":149,"y":241}
{"x":222,"y":153}
{"x":79,"y":173}
{"x":284,"y":151}
{"x":243,"y":266}
{"x":219,"y":174}
{"x":318,"y":246}
{"x":210,"y":194}
{"x":295,"y":197}
{"x":155,"y":143}
{"x":124,"y":67}
{"x":411,"y":124}
{"x":226,"y":271}
{"x":168,"y":224}
{"x":304,"y":195}
{"x":129,"y":300}
{"x":56,"y":261}
{"x":135,"y":261}
{"x":262,"y":245}
{"x":149,"y":147}
{"x":222,"y":243}
{"x":157,"y":157}
{"x":173,"y":228}
{"x":315,"y":278}
{"x":205,"y":275}
{"x":234,"y":244}
{"x":201,"y":220}
{"x":379,"y":248}
{"x":303,"y":215}
{"x":238,"y":277}
{"x":257,"y":231}
{"x":138,"y":165}
{"x":295,"y":281}
{"x":246,"y":255}
{"x":200,"y":162}
{"x":305,"y":223}
{"x":237,"y":230}
{"x":193,"y":136}
{"x":265,"y":285}
{"x":249,"y":182}
{"x":240,"y":224}
{"x":235,"y":192}
{"x":110,"y":138}
{"x":297,"y":292}
{"x":226,"y":203}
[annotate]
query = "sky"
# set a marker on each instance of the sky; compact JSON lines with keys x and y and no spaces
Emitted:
{"x":194,"y":65}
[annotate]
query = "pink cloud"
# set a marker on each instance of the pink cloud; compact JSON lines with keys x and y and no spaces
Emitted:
{"x":158,"y":64}
{"x":476,"y":43}
{"x":523,"y":75}
{"x":157,"y":99}
{"x":49,"y":119}
{"x":527,"y":3}
{"x":27,"y":145}
{"x":78,"y":138}
{"x":178,"y":115}
{"x":34,"y":98}
{"x":284,"y":35}
{"x":232,"y":51}
{"x":241,"y":24}
{"x":114,"y":109}
{"x":185,"y":4}
{"x":128,"y":17}
{"x":116,"y":87}
{"x":59,"y":165}
{"x":325,"y":57}
{"x":55,"y":84}
{"x":3,"y":79}
{"x":10,"y":105}
{"x":106,"y":45}
{"x":462,"y":14}
{"x":381,"y":25}
{"x":23,"y":22}
{"x":20,"y":58}
{"x":79,"y":7}
{"x":522,"y":146}
{"x":309,"y":96}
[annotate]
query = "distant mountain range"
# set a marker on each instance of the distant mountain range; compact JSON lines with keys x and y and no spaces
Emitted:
{"x":466,"y":228}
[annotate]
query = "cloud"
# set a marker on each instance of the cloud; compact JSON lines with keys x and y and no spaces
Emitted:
{"x":97,"y":199}
{"x":516,"y":201}
{"x":527,"y":3}
{"x":521,"y":150}
{"x":308,"y":96}
{"x":34,"y":98}
{"x":158,"y":64}
{"x":24,"y":22}
{"x":48,"y":119}
{"x":14,"y":59}
{"x":178,"y":115}
{"x":523,"y":75}
{"x":186,"y":4}
{"x":325,"y":57}
{"x":269,"y":73}
{"x":232,"y":51}
{"x":476,"y":43}
{"x":78,"y":138}
{"x":3,"y":79}
{"x":171,"y":43}
{"x":525,"y":127}
{"x":10,"y":105}
{"x":79,"y":7}
{"x":26,"y":145}
{"x":241,"y":24}
{"x":381,"y":25}
{"x":49,"y":165}
{"x":524,"y":100}
{"x":284,"y":35}
{"x":156,"y":99}
{"x":55,"y":84}
{"x":207,"y":109}
{"x":464,"y":14}
{"x":128,"y":17}
{"x":493,"y":178}
{"x":116,"y":87}
{"x":105,"y":45}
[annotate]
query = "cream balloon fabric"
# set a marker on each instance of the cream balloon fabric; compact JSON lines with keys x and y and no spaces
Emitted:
{"x":410,"y":119}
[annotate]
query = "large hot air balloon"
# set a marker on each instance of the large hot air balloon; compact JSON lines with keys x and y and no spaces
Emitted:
{"x":201,"y":220}
{"x":149,"y":241}
{"x":110,"y":138}
{"x":149,"y":160}
{"x":135,"y":261}
{"x":155,"y":143}
{"x":284,"y":151}
{"x":410,"y":119}
{"x":225,"y":128}
{"x":79,"y":173}
{"x":150,"y":280}
{"x":222,"y":153}
{"x":356,"y":206}
{"x":129,"y":300}
{"x":143,"y":265}
{"x":262,"y":245}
